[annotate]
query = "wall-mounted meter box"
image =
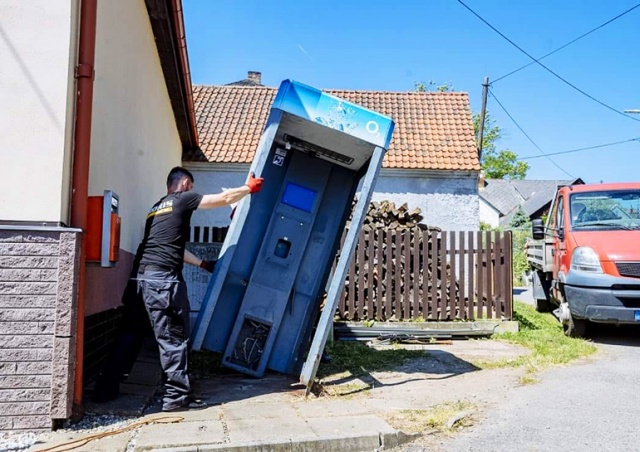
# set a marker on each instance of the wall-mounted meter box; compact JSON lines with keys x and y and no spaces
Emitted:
{"x":103,"y":229}
{"x":263,"y":304}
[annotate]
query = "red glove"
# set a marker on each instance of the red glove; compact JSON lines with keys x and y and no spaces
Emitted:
{"x":208,"y":265}
{"x":254,"y":183}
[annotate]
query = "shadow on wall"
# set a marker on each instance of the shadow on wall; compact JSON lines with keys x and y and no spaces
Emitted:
{"x":31,"y":79}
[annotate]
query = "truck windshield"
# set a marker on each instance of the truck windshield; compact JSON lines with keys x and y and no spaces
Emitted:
{"x":615,"y":209}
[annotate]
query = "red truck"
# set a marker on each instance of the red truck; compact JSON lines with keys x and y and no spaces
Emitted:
{"x":586,"y":260}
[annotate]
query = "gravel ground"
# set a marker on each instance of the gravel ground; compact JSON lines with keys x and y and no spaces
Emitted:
{"x":17,"y":441}
{"x":589,"y":406}
{"x":91,"y":424}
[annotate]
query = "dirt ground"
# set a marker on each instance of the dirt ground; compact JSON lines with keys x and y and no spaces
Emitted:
{"x":446,"y":375}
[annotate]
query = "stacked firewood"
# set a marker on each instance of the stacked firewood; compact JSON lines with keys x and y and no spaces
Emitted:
{"x":388,"y":278}
{"x":385,"y":215}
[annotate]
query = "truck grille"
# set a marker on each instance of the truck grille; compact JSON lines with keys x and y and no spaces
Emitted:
{"x":631,"y":269}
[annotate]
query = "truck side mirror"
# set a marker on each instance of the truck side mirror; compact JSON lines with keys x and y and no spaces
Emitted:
{"x":537,"y":229}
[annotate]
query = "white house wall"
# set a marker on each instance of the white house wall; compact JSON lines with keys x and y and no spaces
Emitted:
{"x":37,"y":58}
{"x":211,"y":179}
{"x":489,"y":214}
{"x":134,"y":137}
{"x":448,"y":201}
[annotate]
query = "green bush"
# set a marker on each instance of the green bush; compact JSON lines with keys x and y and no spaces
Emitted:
{"x":520,"y":227}
{"x":521,"y":230}
{"x":520,"y":264}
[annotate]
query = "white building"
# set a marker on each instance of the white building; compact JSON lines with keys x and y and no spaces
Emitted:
{"x":95,"y":96}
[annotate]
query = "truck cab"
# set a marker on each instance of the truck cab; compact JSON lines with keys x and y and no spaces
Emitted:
{"x":587,"y":258}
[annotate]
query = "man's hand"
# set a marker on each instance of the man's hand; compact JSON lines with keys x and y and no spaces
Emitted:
{"x":208,"y":265}
{"x":254,"y":183}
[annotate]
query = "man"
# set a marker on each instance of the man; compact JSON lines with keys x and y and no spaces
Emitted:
{"x":157,"y":284}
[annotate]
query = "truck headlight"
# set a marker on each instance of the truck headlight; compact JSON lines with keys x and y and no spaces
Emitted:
{"x":586,"y":260}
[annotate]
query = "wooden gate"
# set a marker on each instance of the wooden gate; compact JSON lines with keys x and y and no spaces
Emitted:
{"x":429,"y":275}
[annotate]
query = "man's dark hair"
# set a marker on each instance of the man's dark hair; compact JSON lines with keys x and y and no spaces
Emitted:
{"x":176,"y":174}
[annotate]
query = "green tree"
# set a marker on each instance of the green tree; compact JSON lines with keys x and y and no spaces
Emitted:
{"x":490,"y":134}
{"x":496,"y":164}
{"x":423,"y":87}
{"x":519,"y":219}
{"x":503,"y":165}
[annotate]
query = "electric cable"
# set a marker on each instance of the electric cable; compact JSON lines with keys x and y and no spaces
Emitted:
{"x":74,"y":444}
{"x":528,"y":137}
{"x":580,"y":149}
{"x":568,"y":43}
{"x":546,"y":68}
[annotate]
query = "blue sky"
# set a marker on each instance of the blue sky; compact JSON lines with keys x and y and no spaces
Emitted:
{"x":388,"y":46}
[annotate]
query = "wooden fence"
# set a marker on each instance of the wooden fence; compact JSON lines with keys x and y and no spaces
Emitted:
{"x":429,"y":275}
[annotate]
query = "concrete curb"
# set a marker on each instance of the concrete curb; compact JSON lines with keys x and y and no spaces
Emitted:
{"x":360,"y":443}
{"x":287,"y":430}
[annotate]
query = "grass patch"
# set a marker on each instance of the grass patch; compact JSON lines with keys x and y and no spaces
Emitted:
{"x":528,"y":379}
{"x":336,"y":388}
{"x":436,"y":418}
{"x":355,"y":359}
{"x":543,"y":335}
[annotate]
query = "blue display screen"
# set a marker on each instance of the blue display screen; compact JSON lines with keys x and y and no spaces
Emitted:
{"x":299,"y":197}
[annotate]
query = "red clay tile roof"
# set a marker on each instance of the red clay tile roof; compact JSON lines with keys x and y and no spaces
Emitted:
{"x":433,"y":130}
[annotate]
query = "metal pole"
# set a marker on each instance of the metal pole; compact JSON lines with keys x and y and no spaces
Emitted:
{"x":485,"y":89}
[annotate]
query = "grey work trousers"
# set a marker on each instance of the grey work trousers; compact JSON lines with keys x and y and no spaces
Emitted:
{"x":166,"y":301}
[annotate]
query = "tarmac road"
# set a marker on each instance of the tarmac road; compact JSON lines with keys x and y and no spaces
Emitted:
{"x":590,"y":406}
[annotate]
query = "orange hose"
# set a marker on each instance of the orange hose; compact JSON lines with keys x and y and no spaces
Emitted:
{"x":70,"y":445}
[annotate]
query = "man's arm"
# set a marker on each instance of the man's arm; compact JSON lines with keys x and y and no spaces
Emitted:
{"x":231,"y":195}
{"x":192,"y":259}
{"x":225,"y":198}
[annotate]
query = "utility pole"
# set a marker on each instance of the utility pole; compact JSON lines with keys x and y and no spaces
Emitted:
{"x":485,"y":89}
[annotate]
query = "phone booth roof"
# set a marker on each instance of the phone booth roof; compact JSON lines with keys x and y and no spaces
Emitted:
{"x":331,"y":128}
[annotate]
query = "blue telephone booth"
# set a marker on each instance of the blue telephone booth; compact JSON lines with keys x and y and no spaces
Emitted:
{"x":264,"y":299}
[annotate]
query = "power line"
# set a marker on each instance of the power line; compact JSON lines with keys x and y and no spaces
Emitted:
{"x":580,"y":149}
{"x":568,"y":43}
{"x":527,"y":135}
{"x":545,"y":67}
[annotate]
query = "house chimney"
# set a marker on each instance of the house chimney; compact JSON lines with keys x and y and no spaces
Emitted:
{"x":481,"y":181}
{"x":255,"y":77}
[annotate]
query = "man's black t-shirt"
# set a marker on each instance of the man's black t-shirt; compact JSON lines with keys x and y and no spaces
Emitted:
{"x":167,"y":229}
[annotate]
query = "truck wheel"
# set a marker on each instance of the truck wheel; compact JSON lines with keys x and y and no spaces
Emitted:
{"x":575,"y":327}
